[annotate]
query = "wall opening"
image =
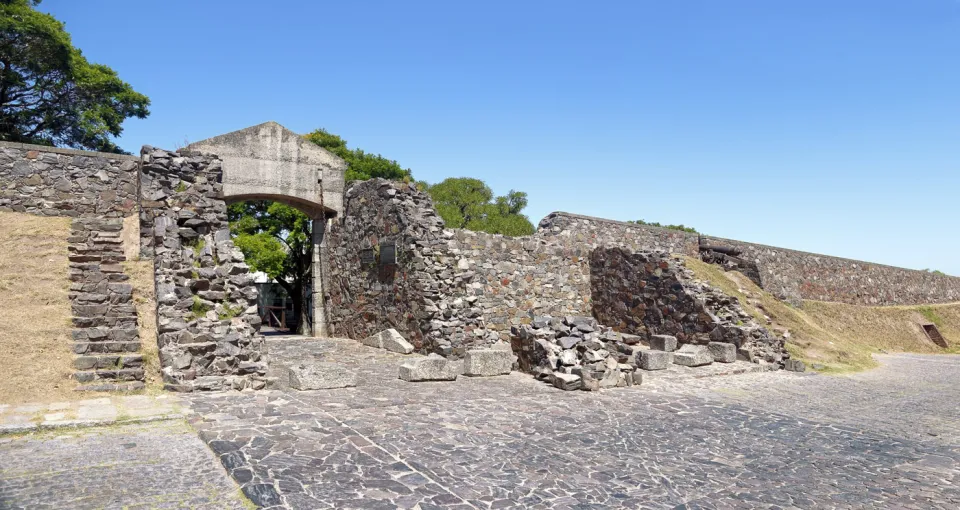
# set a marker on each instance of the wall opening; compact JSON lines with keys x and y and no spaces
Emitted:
{"x":934,"y":334}
{"x":277,"y":239}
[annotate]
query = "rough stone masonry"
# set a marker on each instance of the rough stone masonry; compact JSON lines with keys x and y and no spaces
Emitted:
{"x":387,"y":262}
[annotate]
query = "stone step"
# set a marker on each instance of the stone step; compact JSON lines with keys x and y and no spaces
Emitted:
{"x":124,"y":374}
{"x":105,"y":347}
{"x":112,"y":322}
{"x":108,"y":386}
{"x":108,"y":362}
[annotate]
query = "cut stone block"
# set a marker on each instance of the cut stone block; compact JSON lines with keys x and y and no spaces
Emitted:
{"x":566,"y":382}
{"x":655,"y":360}
{"x":389,"y":339}
{"x":664,"y":343}
{"x":431,"y":368}
{"x":488,"y":362}
{"x":321,"y":376}
{"x":693,"y":356}
{"x":723,"y":352}
{"x":794,"y":365}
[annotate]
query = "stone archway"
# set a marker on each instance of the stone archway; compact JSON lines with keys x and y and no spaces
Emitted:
{"x":270,"y":162}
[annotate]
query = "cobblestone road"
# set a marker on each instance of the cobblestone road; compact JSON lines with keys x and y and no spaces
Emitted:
{"x":751,"y":441}
{"x":156,"y":465}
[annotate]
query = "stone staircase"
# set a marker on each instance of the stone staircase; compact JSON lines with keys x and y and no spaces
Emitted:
{"x":105,"y":335}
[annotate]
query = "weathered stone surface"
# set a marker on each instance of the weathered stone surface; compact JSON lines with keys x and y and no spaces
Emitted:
{"x":723,"y":352}
{"x":672,"y":302}
{"x":488,"y":362}
{"x":207,"y":314}
{"x":655,"y":360}
{"x":665,"y":343}
{"x":566,"y":382}
{"x":794,"y":365}
{"x":693,"y":356}
{"x":321,"y":376}
{"x":390,"y":340}
{"x":430,"y":368}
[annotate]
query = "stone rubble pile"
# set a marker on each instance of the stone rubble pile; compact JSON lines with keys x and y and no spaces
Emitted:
{"x":577,"y":353}
{"x":733,"y":325}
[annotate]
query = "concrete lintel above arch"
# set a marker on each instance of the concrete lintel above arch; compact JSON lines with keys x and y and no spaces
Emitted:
{"x":270,"y":162}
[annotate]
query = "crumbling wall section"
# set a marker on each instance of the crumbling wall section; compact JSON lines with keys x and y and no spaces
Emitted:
{"x":421,"y":294}
{"x":206,"y":299}
{"x":652,"y":293}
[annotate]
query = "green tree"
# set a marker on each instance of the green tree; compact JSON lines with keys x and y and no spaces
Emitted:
{"x":464,"y":202}
{"x":276,"y":239}
{"x":361,"y":165}
{"x":49,"y":93}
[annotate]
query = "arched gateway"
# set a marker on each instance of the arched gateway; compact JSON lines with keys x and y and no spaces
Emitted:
{"x":270,"y":162}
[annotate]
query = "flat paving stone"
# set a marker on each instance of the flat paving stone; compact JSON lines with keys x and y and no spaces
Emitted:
{"x":513,"y":442}
{"x":146,"y":466}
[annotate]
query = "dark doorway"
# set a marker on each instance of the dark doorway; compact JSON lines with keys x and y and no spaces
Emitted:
{"x":934,"y":334}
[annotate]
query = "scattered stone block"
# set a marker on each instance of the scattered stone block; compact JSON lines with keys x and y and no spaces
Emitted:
{"x":431,"y":368}
{"x":723,"y":352}
{"x":321,"y":376}
{"x":693,"y":356}
{"x":794,"y":365}
{"x":655,"y":360}
{"x":389,"y":339}
{"x":488,"y":362}
{"x":566,"y":382}
{"x":664,"y":343}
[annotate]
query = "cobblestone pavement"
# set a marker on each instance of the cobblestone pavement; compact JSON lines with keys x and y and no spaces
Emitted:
{"x":146,"y":466}
{"x":909,"y":396}
{"x":511,"y":442}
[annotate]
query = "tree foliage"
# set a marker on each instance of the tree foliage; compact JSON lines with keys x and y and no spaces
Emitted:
{"x":469,"y":203}
{"x":49,"y":93}
{"x":276,"y":239}
{"x":680,"y":227}
{"x":361,"y":165}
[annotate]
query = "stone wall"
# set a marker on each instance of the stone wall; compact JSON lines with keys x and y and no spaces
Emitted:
{"x":98,"y":190}
{"x":516,"y":279}
{"x":421,"y":295}
{"x":48,"y":181}
{"x":794,"y":276}
{"x":652,"y":293}
{"x":206,"y":299}
{"x":789,"y":274}
{"x":588,"y":232}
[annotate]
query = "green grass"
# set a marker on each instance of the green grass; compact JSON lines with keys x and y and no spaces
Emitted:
{"x":931,"y":315}
{"x":198,"y":309}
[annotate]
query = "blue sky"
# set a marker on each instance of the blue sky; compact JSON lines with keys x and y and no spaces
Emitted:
{"x":830,"y":126}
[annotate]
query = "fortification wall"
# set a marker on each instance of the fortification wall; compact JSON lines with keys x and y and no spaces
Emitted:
{"x":789,"y":274}
{"x":795,"y":275}
{"x":589,"y":232}
{"x":49,"y":181}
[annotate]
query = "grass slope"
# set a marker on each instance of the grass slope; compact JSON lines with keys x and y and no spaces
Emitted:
{"x":35,"y":353}
{"x":839,"y":336}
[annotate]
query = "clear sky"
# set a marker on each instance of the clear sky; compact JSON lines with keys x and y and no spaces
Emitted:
{"x":830,"y":126}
